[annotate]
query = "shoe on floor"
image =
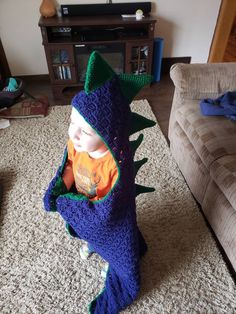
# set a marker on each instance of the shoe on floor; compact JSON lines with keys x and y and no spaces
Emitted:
{"x":104,"y":270}
{"x":85,"y":252}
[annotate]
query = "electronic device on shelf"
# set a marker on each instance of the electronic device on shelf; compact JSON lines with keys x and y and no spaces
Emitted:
{"x":131,"y":33}
{"x":97,"y":35}
{"x":61,"y":32}
{"x":105,"y":9}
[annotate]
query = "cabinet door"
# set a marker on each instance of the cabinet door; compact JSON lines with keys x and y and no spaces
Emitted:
{"x":139,"y":57}
{"x":113,"y":53}
{"x":61,"y":63}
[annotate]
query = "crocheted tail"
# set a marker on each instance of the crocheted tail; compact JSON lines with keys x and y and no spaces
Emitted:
{"x":120,"y":290}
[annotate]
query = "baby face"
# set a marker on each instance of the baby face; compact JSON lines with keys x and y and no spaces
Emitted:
{"x":84,"y":138}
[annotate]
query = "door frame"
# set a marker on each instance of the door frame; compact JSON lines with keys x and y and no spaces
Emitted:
{"x":222,"y":30}
{"x":4,"y":67}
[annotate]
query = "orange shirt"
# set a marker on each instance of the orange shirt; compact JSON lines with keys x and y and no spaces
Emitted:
{"x":93,"y":177}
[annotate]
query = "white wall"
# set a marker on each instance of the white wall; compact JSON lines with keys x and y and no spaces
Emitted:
{"x":186,"y":26}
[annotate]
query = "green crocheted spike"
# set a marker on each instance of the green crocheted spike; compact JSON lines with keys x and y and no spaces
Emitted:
{"x":131,"y":84}
{"x":136,"y":143}
{"x":143,"y":189}
{"x":98,"y":72}
{"x":138,"y":164}
{"x":139,"y":123}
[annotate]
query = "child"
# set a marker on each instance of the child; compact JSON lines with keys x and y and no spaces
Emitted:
{"x":90,"y":165}
{"x":100,"y":207}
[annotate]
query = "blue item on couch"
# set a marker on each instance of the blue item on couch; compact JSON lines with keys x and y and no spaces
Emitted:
{"x":225,"y":105}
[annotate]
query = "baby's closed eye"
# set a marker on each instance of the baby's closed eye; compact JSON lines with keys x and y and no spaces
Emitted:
{"x":86,"y":132}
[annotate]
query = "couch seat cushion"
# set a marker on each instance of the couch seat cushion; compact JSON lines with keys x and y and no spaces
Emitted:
{"x":223,"y":172}
{"x":212,"y":136}
{"x":194,"y":171}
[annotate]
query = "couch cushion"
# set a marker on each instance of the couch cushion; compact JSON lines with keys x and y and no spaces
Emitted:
{"x":223,"y":171}
{"x":222,"y":218}
{"x":194,"y":171}
{"x":212,"y":136}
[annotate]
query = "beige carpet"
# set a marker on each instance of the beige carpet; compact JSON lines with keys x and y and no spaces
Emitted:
{"x":41,"y":271}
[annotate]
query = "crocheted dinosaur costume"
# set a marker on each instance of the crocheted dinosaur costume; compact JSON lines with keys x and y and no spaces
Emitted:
{"x":109,"y":225}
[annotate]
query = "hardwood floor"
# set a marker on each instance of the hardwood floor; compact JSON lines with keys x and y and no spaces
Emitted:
{"x":159,"y":96}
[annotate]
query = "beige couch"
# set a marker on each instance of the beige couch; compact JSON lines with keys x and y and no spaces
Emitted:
{"x":205,"y":147}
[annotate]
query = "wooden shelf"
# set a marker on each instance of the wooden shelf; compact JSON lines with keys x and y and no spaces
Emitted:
{"x":73,"y":38}
{"x":93,"y":21}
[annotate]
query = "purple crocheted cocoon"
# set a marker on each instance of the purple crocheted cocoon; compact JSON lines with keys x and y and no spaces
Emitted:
{"x":109,"y":225}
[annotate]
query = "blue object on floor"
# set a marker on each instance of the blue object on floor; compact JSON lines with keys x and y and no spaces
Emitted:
{"x":157,"y":58}
{"x":225,"y":105}
{"x":12,"y":85}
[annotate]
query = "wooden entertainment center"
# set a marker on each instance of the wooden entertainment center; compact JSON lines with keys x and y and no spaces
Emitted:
{"x":126,"y":44}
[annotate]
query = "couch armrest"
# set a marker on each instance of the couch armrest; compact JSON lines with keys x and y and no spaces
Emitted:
{"x":197,"y":81}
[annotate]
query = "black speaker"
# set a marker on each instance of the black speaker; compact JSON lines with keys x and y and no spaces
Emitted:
{"x":105,"y":9}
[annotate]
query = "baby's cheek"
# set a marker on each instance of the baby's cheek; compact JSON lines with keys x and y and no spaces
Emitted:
{"x":95,"y":143}
{"x":72,"y":133}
